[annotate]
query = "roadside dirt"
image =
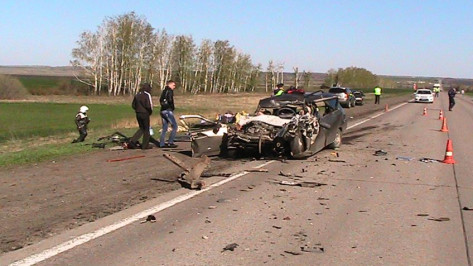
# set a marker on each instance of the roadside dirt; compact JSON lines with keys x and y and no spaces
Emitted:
{"x":41,"y":200}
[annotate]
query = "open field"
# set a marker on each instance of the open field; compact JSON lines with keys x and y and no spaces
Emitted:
{"x":42,"y":127}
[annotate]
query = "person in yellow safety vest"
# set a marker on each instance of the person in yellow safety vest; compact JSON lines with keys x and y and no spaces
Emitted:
{"x":377,"y":95}
{"x":436,"y":91}
{"x":280,"y":92}
{"x":279,"y":87}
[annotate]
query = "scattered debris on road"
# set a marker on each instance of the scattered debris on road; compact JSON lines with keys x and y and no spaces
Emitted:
{"x":428,"y":160}
{"x":441,"y":219}
{"x":301,"y":184}
{"x":260,"y":170}
{"x":467,"y":209}
{"x":312,"y":249}
{"x":191,"y":175}
{"x":404,"y":158}
{"x":281,"y":173}
{"x":126,"y":158}
{"x":207,"y":174}
{"x":422,"y":214}
{"x":150,"y":218}
{"x":295,"y":253}
{"x":380,"y":153}
{"x":337,"y":161}
{"x":230,"y":247}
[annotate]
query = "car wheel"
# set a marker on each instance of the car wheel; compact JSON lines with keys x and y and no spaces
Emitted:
{"x":362,"y":103}
{"x":337,"y":142}
{"x":348,"y":105}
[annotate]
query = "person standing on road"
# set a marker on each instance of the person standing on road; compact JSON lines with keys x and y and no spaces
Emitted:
{"x":167,"y":115}
{"x":143,"y":106}
{"x":377,"y":95}
{"x":82,"y":120}
{"x":451,"y":98}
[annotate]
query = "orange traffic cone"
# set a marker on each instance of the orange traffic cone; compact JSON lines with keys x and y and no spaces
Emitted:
{"x":441,"y":115}
{"x":449,"y":153}
{"x":386,"y":108}
{"x":425,"y":112}
{"x":444,"y":125}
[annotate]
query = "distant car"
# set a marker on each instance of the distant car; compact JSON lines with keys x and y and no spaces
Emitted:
{"x":424,"y":96}
{"x":359,"y":97}
{"x":345,"y":96}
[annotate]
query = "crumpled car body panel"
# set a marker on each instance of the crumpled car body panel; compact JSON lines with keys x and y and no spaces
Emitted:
{"x":284,"y":125}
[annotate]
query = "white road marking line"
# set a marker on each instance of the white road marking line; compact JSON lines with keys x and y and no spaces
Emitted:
{"x":33,"y":259}
{"x":375,"y":116}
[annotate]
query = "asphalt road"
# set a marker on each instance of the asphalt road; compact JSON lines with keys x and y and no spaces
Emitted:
{"x":391,"y":209}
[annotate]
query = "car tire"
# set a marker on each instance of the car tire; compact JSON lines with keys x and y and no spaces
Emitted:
{"x":337,"y":142}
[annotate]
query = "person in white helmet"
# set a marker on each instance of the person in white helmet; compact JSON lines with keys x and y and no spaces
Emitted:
{"x":81,"y":122}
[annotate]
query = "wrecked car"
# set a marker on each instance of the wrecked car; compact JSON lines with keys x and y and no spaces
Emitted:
{"x":294,"y":125}
{"x":205,"y":135}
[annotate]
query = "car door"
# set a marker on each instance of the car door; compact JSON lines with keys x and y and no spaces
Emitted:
{"x":332,"y":121}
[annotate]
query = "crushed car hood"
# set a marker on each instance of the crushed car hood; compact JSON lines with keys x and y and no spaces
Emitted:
{"x":268,"y":119}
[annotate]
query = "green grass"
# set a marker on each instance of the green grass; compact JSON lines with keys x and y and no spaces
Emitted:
{"x":28,"y":120}
{"x":41,"y":153}
{"x":51,"y":85}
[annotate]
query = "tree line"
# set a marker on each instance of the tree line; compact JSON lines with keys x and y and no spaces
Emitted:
{"x":126,"y":51}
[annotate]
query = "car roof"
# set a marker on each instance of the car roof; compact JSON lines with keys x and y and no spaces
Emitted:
{"x":423,"y":90}
{"x":295,"y":99}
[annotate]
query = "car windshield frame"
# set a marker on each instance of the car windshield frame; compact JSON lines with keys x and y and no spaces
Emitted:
{"x":424,"y":92}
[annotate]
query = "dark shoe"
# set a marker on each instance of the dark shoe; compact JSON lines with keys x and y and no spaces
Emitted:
{"x":171,"y":145}
{"x":74,"y":141}
{"x":147,"y":147}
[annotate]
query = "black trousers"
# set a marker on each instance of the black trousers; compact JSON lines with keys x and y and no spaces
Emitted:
{"x":377,"y":99}
{"x":82,"y":134}
{"x":451,"y":103}
{"x":143,"y":122}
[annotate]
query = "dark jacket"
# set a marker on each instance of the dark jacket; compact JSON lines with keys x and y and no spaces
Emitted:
{"x":142,"y":103}
{"x":451,"y":93}
{"x":167,"y":99}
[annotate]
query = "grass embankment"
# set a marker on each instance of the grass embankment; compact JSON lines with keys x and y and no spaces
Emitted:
{"x":42,"y":130}
{"x":37,"y":131}
{"x":33,"y":132}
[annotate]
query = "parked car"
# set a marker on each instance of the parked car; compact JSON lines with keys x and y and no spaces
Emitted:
{"x":424,"y":96}
{"x":294,"y":125}
{"x":345,"y":96}
{"x":359,"y":97}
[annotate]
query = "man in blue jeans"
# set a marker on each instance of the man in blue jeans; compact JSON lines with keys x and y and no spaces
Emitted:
{"x":167,"y":115}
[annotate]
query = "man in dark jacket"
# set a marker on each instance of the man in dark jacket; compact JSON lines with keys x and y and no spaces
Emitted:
{"x":451,"y":98}
{"x":167,"y":115}
{"x":143,"y":106}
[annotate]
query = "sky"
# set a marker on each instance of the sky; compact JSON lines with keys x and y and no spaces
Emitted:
{"x":386,"y":37}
